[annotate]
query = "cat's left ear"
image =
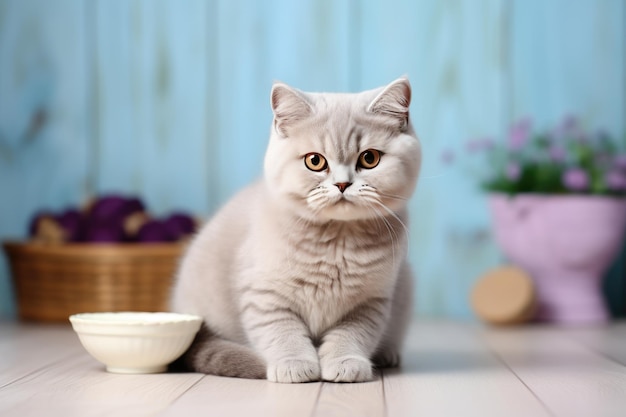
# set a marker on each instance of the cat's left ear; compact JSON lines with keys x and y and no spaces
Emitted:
{"x":394,"y":102}
{"x":289,"y":106}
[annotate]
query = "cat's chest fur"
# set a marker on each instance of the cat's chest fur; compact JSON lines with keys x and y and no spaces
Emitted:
{"x":331,"y":269}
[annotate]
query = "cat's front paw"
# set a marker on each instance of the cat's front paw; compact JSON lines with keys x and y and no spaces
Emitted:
{"x":293,"y":371}
{"x":347,"y":369}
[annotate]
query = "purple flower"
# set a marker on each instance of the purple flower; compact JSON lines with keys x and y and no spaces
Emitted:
{"x":479,"y":145}
{"x":615,"y":180}
{"x":513,"y":171}
{"x":575,"y":179}
{"x":557,"y":153}
{"x":447,"y":156}
{"x":519,"y":134}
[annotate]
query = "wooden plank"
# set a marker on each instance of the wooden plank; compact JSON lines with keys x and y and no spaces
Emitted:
{"x":447,"y":371}
{"x":21,"y":353}
{"x":44,"y":145}
{"x":345,"y":400}
{"x":226,"y":397}
{"x":454,"y":55}
{"x":80,"y":386}
{"x":152,"y":99}
{"x":609,"y":341}
{"x":569,"y":379}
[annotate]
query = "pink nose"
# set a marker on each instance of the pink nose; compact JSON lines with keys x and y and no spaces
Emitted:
{"x":343,"y":185}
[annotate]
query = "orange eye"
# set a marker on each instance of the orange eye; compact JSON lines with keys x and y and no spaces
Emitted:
{"x":369,"y":158}
{"x":315,"y":162}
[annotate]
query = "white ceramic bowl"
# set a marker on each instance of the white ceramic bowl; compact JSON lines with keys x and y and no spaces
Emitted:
{"x":133,"y":342}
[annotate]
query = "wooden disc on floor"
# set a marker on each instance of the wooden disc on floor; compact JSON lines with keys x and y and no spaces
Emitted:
{"x":504,"y":295}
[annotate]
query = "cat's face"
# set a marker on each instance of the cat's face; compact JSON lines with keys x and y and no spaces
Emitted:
{"x":343,"y":156}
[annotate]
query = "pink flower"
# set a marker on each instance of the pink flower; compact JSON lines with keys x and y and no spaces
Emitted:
{"x":575,"y":179}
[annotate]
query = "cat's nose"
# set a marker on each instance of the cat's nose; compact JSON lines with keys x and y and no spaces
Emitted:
{"x":343,"y":185}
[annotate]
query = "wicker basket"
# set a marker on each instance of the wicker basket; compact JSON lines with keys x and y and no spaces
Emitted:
{"x":53,"y":282}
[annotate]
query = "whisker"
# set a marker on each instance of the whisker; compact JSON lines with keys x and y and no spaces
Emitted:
{"x":392,"y":234}
{"x":395,"y":216}
{"x":396,"y":197}
{"x":376,"y":192}
{"x":316,"y":196}
{"x":372,"y":198}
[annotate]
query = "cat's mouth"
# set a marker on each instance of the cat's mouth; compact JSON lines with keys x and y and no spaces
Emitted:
{"x":342,"y":199}
{"x":338,"y":206}
{"x":344,"y":204}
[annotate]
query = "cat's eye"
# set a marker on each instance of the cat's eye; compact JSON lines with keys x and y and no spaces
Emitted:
{"x":315,"y":162}
{"x":369,"y":159}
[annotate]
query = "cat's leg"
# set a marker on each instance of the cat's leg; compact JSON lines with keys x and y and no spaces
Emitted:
{"x":211,"y":355}
{"x":280,"y":335}
{"x":388,"y":352}
{"x":346,"y":349}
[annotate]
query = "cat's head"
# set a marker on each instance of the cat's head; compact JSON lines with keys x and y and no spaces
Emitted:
{"x":343,"y":156}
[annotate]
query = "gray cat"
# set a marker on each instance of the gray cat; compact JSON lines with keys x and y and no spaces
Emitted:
{"x":303,"y":275}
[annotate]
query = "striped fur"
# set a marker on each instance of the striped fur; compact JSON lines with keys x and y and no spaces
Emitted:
{"x":296,"y":279}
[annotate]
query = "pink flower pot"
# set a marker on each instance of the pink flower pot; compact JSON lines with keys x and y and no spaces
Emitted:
{"x":565,"y":243}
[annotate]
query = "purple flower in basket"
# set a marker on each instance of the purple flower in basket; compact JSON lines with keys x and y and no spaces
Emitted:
{"x":513,"y":171}
{"x":519,"y":134}
{"x":575,"y":179}
{"x":615,"y":180}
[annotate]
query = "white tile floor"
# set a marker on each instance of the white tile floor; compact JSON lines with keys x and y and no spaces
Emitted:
{"x":450,"y":369}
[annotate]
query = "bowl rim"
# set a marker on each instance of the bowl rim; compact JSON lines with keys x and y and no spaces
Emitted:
{"x":132,"y":318}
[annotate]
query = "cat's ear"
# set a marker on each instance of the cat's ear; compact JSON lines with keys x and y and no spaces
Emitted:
{"x":393,"y":102}
{"x":289,"y":106}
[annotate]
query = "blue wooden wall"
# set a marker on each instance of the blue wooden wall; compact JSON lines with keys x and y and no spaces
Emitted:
{"x":169,"y":100}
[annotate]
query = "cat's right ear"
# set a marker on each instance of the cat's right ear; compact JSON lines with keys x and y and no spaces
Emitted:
{"x":289,"y":106}
{"x":393,"y":102}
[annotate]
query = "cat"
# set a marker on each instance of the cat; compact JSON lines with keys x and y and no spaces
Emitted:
{"x":303,"y":275}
